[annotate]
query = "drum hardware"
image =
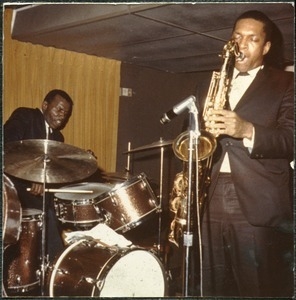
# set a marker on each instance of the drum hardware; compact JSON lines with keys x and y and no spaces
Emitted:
{"x":159,"y":144}
{"x":118,"y":176}
{"x":47,"y":161}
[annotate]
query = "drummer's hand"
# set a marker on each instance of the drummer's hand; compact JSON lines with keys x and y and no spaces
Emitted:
{"x":36,"y":189}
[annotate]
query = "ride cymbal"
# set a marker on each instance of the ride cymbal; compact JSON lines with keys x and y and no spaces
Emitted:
{"x":47,"y":161}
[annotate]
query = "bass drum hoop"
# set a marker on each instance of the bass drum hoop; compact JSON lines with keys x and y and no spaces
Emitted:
{"x":106,"y":268}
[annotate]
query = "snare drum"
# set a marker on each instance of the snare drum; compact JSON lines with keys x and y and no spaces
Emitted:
{"x":80,"y":209}
{"x":22,"y":261}
{"x":128,"y":204}
{"x":87,"y":269}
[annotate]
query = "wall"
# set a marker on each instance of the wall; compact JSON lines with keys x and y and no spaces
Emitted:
{"x":154,"y":92}
{"x":30,"y":71}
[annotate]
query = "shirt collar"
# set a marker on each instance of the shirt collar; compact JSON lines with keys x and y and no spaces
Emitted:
{"x":252,"y":72}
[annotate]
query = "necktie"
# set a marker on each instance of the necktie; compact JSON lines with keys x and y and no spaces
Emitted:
{"x":48,"y":132}
{"x":242,"y":74}
{"x":227,"y":104}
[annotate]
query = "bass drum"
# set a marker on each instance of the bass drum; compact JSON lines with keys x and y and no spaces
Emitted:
{"x":86,"y":268}
{"x":12,"y":213}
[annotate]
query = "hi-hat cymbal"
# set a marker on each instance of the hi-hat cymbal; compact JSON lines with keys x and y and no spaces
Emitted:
{"x":158,"y":144}
{"x":47,"y":161}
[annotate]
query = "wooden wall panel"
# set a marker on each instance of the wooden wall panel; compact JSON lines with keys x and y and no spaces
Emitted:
{"x":30,"y":71}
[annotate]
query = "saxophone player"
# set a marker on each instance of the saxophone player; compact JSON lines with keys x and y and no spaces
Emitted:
{"x":247,"y":229}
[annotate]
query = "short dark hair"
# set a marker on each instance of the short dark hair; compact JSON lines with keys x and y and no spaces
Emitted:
{"x":257,"y":15}
{"x":274,"y":57}
{"x":50,"y":96}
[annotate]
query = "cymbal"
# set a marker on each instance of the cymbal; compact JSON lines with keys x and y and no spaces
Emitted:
{"x":158,"y":144}
{"x":29,"y":159}
{"x":117,"y":176}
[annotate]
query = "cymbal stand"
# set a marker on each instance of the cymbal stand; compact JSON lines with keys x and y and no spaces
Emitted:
{"x":188,"y":235}
{"x":160,"y":197}
{"x":127,"y":169}
{"x":43,"y":243}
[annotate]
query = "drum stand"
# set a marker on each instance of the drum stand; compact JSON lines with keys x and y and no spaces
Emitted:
{"x":43,"y":238}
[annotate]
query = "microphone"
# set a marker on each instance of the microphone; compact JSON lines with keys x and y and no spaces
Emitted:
{"x":177,"y":109}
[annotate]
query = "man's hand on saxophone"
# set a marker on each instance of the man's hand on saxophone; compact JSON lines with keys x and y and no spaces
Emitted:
{"x":228,"y":122}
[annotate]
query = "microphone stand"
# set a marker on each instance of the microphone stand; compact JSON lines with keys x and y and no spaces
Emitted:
{"x":194,"y":134}
{"x":160,"y":200}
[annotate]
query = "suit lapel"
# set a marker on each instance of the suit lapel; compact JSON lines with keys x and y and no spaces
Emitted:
{"x":254,"y":87}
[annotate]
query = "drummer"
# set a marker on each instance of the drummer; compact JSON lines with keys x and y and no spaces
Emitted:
{"x":40,"y":123}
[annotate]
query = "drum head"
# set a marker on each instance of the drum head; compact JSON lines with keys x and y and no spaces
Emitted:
{"x":30,"y":212}
{"x":95,"y":188}
{"x":136,"y":274}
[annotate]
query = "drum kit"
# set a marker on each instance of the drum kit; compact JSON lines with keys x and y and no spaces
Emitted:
{"x":87,"y":267}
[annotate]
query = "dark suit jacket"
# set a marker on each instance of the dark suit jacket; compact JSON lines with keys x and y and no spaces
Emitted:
{"x":262,"y":177}
{"x":28,"y":123}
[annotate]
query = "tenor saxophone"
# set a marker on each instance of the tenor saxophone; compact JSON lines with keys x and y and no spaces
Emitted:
{"x":217,"y":98}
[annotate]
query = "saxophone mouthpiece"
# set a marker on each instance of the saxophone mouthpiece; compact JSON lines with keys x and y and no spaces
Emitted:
{"x":240,"y":56}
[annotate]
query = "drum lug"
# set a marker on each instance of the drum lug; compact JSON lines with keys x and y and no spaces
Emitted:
{"x":123,"y":218}
{"x":107,"y":217}
{"x":38,"y":274}
{"x":60,"y":210}
{"x":143,"y":185}
{"x":63,"y":272}
{"x":97,"y":209}
{"x":89,"y":280}
{"x":18,"y":280}
{"x":152,"y":202}
{"x":39,"y":224}
{"x":114,"y":200}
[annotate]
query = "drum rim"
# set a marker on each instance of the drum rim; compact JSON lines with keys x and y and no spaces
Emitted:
{"x":57,"y":264}
{"x":7,"y":181}
{"x":115,"y":256}
{"x":80,"y":185}
{"x":128,"y":182}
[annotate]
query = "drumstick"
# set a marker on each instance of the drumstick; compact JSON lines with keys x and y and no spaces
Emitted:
{"x":66,"y":191}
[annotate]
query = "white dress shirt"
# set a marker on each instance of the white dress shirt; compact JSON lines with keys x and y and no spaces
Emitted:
{"x":239,"y":85}
{"x":47,"y":128}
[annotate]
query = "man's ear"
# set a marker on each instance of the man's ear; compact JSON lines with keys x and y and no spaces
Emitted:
{"x":44,"y":105}
{"x":266,"y":47}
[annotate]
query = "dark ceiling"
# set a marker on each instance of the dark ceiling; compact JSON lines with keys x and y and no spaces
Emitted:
{"x":169,"y":37}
